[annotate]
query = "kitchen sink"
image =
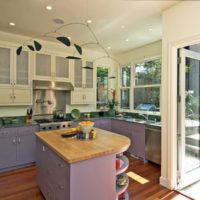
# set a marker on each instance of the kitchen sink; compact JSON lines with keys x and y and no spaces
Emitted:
{"x":136,"y":120}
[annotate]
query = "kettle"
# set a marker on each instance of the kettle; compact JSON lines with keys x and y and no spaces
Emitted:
{"x":59,"y":114}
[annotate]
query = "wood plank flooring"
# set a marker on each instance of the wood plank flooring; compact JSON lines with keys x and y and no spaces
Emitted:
{"x":21,"y":184}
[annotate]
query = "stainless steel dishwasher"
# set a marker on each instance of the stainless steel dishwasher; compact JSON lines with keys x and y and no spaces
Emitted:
{"x":153,"y":144}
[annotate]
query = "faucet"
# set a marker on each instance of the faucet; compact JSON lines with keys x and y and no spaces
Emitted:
{"x":145,"y":116}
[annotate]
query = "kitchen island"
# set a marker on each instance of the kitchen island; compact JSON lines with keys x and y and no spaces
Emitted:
{"x":71,"y":169}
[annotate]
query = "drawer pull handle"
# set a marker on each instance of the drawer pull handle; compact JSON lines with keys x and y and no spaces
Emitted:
{"x":43,"y":148}
{"x":61,"y":165}
{"x":61,"y":187}
{"x":14,"y":141}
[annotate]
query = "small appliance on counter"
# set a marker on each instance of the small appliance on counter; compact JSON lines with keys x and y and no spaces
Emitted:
{"x":59,"y":114}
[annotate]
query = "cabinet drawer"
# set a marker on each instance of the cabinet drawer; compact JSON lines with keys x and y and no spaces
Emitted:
{"x":29,"y":130}
{"x":7,"y":132}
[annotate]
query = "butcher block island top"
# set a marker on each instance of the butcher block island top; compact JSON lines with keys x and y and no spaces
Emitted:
{"x":73,"y":150}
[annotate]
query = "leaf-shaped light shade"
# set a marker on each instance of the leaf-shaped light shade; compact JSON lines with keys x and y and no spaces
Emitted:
{"x":88,"y":67}
{"x":78,"y":48}
{"x":38,"y":46}
{"x":31,"y":47}
{"x":112,"y":77}
{"x":64,"y":40}
{"x":73,"y":57}
{"x":19,"y":50}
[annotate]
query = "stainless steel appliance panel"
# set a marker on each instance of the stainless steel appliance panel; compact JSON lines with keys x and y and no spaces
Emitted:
{"x":47,"y":101}
{"x":153,"y":144}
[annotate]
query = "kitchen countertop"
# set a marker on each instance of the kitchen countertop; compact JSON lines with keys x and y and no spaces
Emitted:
{"x":20,"y":124}
{"x":73,"y":150}
{"x":140,"y":121}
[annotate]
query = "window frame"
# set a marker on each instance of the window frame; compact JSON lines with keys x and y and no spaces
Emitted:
{"x":125,"y":87}
{"x":109,"y":72}
{"x":133,"y":86}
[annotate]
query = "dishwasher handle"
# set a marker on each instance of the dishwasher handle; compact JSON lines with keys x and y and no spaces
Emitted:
{"x":152,"y":129}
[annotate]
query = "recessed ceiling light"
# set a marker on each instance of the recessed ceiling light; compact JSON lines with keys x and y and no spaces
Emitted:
{"x":12,"y":24}
{"x":48,"y":7}
{"x":89,"y":21}
{"x":150,"y":29}
{"x":122,"y":26}
{"x":127,"y":40}
{"x":108,"y":47}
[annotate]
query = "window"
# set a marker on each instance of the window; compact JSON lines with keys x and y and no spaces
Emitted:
{"x":146,"y":92}
{"x":125,"y":89}
{"x":102,"y":87}
{"x":140,"y":85}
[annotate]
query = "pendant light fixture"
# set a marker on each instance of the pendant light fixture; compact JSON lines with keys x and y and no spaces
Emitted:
{"x":63,"y":39}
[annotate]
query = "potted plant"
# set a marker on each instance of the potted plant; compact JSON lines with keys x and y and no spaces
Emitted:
{"x":112,"y":103}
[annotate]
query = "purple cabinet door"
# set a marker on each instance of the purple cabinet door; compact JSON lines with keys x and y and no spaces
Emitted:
{"x":7,"y":147}
{"x":136,"y":133}
{"x":104,"y":124}
{"x":138,"y":140}
{"x":26,"y":144}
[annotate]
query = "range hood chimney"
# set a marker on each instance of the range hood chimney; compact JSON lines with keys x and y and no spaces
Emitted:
{"x":52,"y":85}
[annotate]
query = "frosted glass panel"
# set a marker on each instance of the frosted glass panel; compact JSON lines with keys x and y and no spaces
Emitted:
{"x":62,"y":67}
{"x":22,"y":69}
{"x":89,"y":75}
{"x":78,"y":73}
{"x":4,"y":65}
{"x":43,"y":65}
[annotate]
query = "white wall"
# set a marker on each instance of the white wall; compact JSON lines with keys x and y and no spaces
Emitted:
{"x":181,"y":26}
{"x":144,"y":52}
{"x":17,"y":40}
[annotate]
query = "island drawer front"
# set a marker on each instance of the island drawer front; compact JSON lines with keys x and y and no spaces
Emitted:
{"x":55,"y":172}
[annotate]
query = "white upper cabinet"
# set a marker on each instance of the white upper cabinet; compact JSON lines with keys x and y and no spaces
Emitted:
{"x":89,"y":76}
{"x":83,"y":77}
{"x":5,"y":65}
{"x":43,"y":66}
{"x":15,"y":84}
{"x":78,"y":74}
{"x":62,"y":71}
{"x":22,"y":69}
{"x":51,"y":67}
{"x":84,"y":91}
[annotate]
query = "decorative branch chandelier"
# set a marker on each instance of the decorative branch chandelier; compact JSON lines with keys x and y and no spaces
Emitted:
{"x":33,"y":45}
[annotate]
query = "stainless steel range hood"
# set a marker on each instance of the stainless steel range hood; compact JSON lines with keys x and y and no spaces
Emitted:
{"x":52,"y":85}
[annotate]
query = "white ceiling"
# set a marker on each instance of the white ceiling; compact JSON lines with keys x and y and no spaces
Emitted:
{"x":137,"y":16}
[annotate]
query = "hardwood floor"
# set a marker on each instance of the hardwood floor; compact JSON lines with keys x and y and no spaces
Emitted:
{"x":21,"y":184}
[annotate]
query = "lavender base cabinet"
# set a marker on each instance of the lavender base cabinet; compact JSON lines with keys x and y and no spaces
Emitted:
{"x":17,"y":147}
{"x":104,"y":124}
{"x":84,"y":180}
{"x":138,"y":140}
{"x":136,"y":133}
{"x":8,"y":148}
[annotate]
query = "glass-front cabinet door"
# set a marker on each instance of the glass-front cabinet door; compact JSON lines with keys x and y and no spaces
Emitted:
{"x":22,"y":69}
{"x":43,"y":66}
{"x":62,"y":68}
{"x":5,"y":66}
{"x":78,"y":74}
{"x":89,"y":75}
